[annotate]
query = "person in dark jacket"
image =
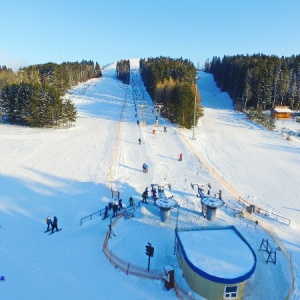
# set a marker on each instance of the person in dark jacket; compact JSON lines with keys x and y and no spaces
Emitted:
{"x":146,"y":191}
{"x":140,"y":141}
{"x":105,"y":212}
{"x":54,"y":224}
{"x":131,"y":201}
{"x":115,"y":208}
{"x":154,"y":194}
{"x":144,"y":197}
{"x":220,"y":194}
{"x":120,"y":204}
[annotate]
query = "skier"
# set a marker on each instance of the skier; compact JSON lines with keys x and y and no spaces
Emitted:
{"x":180,"y":157}
{"x":115,"y":208}
{"x":105,"y":212}
{"x":54,"y":224}
{"x":146,"y":191}
{"x":144,"y":196}
{"x":140,"y":141}
{"x":220,"y":194}
{"x":145,"y":168}
{"x":160,"y":189}
{"x":48,"y":222}
{"x":154,"y":194}
{"x":120,"y":204}
{"x":165,"y":129}
{"x":131,"y":201}
{"x":200,"y":191}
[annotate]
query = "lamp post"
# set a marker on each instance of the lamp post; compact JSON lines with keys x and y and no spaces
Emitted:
{"x":193,"y":137}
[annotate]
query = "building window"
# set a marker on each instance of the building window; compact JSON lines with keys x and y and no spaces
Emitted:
{"x":231,"y":292}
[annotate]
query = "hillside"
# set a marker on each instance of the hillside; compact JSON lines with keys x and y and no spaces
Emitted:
{"x":70,"y":172}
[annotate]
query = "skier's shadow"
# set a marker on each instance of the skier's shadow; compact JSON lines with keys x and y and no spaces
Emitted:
{"x":133,"y":169}
{"x":172,"y":158}
{"x":291,"y":208}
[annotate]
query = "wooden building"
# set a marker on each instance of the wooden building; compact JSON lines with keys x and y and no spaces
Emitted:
{"x":281,"y":112}
{"x":216,"y":261}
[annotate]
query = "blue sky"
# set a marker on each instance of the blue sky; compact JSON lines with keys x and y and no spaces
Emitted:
{"x":37,"y":31}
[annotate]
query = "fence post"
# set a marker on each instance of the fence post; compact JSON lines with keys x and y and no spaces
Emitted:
{"x":110,"y":255}
{"x":128,"y":268}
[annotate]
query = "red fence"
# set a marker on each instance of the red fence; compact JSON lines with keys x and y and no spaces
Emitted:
{"x":125,"y":266}
{"x":132,"y":269}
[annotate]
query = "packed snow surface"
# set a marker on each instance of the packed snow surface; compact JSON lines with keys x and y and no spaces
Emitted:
{"x":70,"y":172}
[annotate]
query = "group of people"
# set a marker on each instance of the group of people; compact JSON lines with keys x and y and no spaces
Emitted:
{"x":116,"y":206}
{"x":52,"y":224}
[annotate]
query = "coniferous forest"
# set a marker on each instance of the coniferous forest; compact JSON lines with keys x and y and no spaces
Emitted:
{"x":33,"y":95}
{"x":258,"y":81}
{"x":171,"y":82}
{"x":123,"y":71}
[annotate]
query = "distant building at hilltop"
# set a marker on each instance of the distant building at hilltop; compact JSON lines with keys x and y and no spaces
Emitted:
{"x":281,"y":112}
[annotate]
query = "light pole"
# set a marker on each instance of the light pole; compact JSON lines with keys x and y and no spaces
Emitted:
{"x":193,"y":137}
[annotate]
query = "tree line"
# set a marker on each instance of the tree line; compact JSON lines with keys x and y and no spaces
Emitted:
{"x":123,"y":71}
{"x":171,"y":82}
{"x":33,"y":96}
{"x":258,"y":81}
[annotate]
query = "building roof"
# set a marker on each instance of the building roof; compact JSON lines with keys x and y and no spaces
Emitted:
{"x":281,"y":109}
{"x":218,"y":254}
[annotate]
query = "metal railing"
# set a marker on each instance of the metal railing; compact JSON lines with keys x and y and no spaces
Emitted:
{"x":264,"y":211}
{"x":123,"y":212}
{"x":100,"y":212}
